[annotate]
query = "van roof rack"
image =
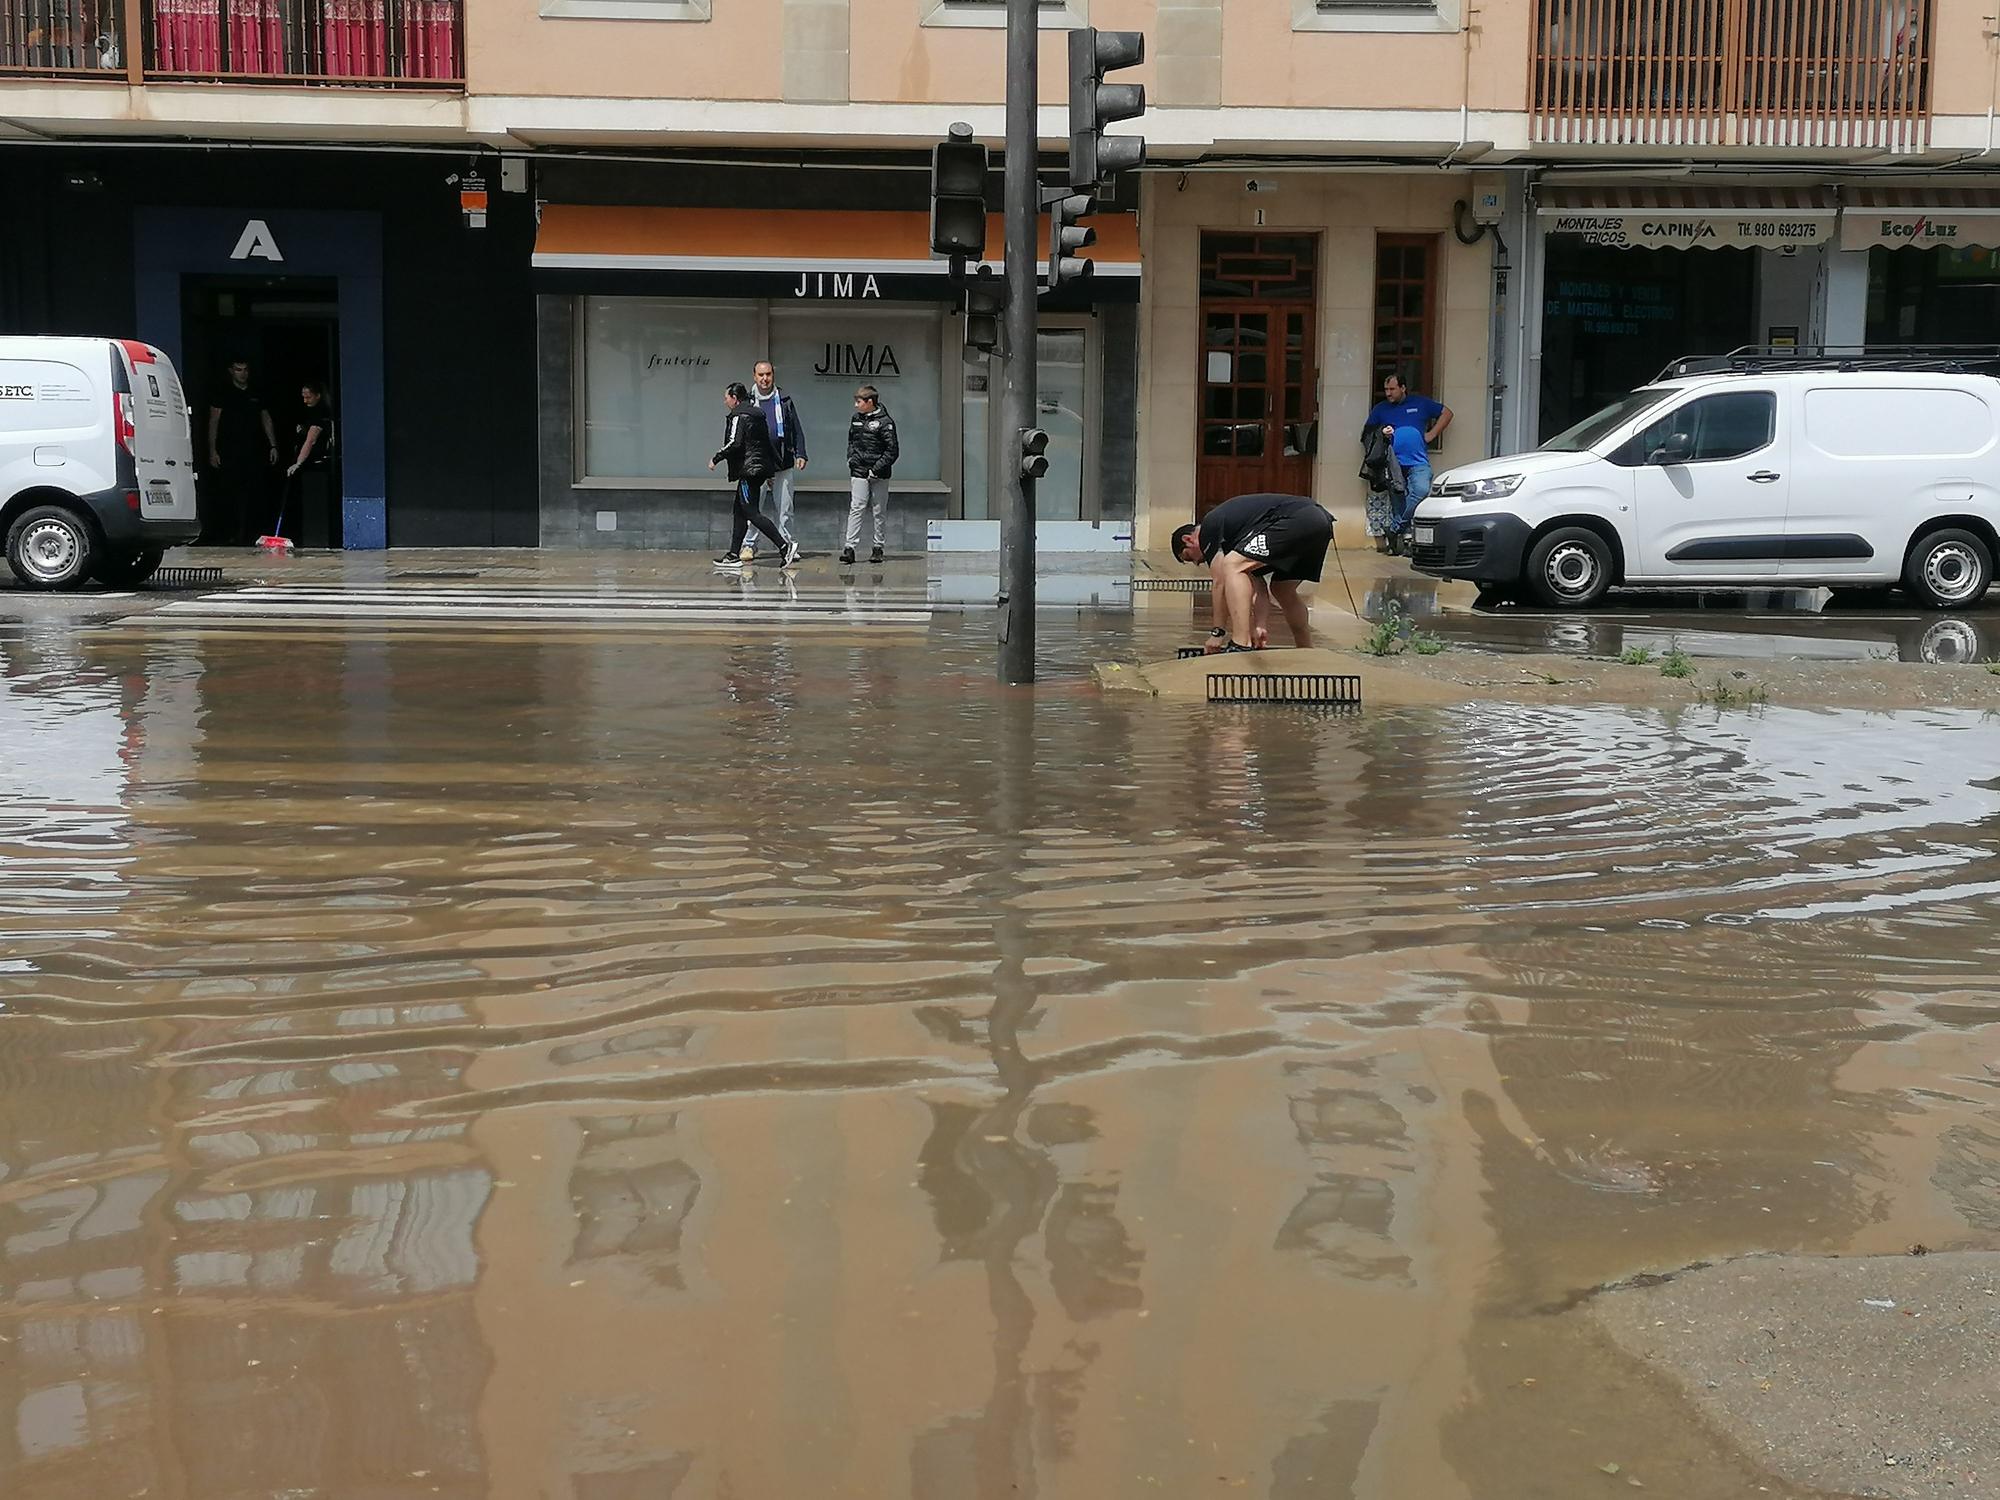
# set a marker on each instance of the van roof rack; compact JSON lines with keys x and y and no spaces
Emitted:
{"x":1756,"y":359}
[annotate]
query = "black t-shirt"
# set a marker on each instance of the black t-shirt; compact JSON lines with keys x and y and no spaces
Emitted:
{"x":320,"y":416}
{"x":1225,"y":528}
{"x":241,"y":430}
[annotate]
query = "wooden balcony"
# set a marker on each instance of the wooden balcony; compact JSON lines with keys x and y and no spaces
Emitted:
{"x":345,"y":43}
{"x":1775,"y":75}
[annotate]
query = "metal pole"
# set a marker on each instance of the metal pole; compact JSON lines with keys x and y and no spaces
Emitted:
{"x":1017,"y":398}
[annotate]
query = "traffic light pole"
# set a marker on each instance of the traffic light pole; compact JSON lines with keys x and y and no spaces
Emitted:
{"x":1022,"y":197}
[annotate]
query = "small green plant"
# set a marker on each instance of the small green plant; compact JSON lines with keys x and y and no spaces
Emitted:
{"x":1396,"y":633}
{"x":1677,"y":663}
{"x":1729,"y":695}
{"x":1994,"y":668}
{"x":1637,"y":656}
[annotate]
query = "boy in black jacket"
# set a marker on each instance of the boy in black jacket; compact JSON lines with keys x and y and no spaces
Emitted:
{"x":872,"y":451}
{"x":746,"y":447}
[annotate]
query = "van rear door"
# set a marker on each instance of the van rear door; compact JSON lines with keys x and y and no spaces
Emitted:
{"x":162,"y":445}
{"x":1876,"y":460}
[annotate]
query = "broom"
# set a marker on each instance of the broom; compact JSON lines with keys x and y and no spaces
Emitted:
{"x":277,"y":541}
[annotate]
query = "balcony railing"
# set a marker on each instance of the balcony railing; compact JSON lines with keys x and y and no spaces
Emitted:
{"x":1825,"y":74}
{"x":369,"y":43}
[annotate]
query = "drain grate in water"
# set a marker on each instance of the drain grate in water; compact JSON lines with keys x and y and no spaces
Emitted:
{"x":1170,"y":585}
{"x":1284,"y":687}
{"x":1188,"y":653}
{"x":185,"y":578}
{"x":444,"y":573}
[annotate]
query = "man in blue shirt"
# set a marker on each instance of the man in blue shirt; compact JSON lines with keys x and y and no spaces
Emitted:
{"x":1413,"y":423}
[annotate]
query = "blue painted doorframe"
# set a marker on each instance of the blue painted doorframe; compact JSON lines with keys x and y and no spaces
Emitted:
{"x":176,"y":242}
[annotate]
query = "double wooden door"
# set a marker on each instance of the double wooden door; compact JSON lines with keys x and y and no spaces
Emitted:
{"x":1259,"y":389}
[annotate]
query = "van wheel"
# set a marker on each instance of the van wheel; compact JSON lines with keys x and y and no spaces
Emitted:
{"x":1570,"y":568}
{"x":50,"y":547}
{"x":130,"y":568}
{"x":1949,"y":569}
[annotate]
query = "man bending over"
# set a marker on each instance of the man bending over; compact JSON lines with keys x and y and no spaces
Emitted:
{"x":1259,"y":549}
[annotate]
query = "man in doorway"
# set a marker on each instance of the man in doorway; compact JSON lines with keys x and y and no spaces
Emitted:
{"x":1259,"y":549}
{"x":307,"y":474}
{"x":788,"y":442}
{"x":746,"y":448}
{"x":242,"y":452}
{"x":872,"y":451}
{"x":1413,"y":425}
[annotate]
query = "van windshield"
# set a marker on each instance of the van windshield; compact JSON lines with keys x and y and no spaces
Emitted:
{"x":1594,"y":429}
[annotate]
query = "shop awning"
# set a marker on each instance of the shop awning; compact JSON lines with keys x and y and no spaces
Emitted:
{"x":1771,"y":218}
{"x":1921,"y":217}
{"x":810,"y":254}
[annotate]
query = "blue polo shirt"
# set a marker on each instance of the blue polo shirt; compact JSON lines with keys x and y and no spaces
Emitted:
{"x":1412,"y":418}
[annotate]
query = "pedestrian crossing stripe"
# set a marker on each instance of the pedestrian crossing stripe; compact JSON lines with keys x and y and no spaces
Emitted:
{"x":778,"y":607}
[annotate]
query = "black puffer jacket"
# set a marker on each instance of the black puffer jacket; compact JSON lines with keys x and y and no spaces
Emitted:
{"x":746,"y":445}
{"x":1378,"y":463}
{"x":872,"y":449}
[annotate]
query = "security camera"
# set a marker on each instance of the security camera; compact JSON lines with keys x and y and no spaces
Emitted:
{"x":1260,"y":185}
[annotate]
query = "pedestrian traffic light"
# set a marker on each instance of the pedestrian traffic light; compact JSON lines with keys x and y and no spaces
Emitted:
{"x":1034,"y":453}
{"x":1066,"y":236}
{"x":985,"y":303}
{"x":1093,"y":104}
{"x":958,"y":195}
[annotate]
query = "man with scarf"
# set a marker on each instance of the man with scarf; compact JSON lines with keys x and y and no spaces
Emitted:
{"x":746,"y":449}
{"x":788,"y":443}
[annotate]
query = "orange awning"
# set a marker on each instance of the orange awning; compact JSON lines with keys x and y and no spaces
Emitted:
{"x":582,"y":237}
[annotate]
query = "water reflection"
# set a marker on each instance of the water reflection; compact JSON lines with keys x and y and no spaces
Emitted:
{"x":799,"y":1066}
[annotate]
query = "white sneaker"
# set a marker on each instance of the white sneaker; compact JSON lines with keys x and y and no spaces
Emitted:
{"x":791,"y":555}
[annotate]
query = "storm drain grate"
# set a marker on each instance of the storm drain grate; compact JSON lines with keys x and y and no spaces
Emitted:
{"x":185,"y":578}
{"x":444,"y":573}
{"x":1284,"y":687}
{"x":1188,"y":653}
{"x":1170,"y":585}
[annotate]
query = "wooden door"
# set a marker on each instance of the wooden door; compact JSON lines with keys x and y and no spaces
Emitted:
{"x":1257,"y":402}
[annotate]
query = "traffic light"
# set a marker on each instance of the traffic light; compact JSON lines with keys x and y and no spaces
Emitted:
{"x":985,"y":304}
{"x":1067,"y":236}
{"x":1034,"y":453}
{"x":1093,"y":104}
{"x":958,"y":195}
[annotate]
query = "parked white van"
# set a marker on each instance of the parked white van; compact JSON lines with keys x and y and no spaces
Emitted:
{"x":96,"y":462}
{"x":1851,"y":471}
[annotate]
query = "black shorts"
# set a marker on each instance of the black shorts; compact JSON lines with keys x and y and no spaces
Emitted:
{"x":1290,"y":546}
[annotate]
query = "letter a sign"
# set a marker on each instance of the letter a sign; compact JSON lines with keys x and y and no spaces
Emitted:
{"x":256,"y":243}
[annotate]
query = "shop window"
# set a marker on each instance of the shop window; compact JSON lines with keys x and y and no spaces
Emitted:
{"x":1406,"y":298}
{"x":823,"y":353}
{"x":654,"y":370}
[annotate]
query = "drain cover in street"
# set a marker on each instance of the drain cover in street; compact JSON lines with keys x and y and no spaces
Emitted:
{"x":185,"y":578}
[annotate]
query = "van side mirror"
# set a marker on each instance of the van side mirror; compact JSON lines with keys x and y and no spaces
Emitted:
{"x":1677,"y":449}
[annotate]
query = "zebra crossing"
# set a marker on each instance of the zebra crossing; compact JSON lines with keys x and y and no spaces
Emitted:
{"x":733,"y":607}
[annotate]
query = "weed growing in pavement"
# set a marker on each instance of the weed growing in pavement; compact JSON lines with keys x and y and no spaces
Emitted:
{"x":1637,"y":656}
{"x":1728,"y":695}
{"x":1994,"y":668}
{"x":1678,"y":663}
{"x":1396,"y":633}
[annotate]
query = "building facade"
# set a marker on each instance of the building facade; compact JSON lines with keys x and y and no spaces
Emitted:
{"x":528,"y":241}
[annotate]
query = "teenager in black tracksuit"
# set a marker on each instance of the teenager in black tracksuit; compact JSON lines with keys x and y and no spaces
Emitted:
{"x":872,"y":451}
{"x":746,"y":448}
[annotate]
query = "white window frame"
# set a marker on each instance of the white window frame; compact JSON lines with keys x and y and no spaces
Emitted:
{"x":1375,"y":15}
{"x":627,"y":10}
{"x":1063,"y":16}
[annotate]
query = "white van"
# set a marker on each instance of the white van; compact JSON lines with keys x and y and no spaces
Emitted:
{"x":1860,"y":474}
{"x":96,"y":460}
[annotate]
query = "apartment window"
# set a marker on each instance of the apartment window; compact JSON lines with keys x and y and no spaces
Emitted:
{"x":1375,"y":15}
{"x":628,"y":10}
{"x":1406,"y":298}
{"x":1051,"y":15}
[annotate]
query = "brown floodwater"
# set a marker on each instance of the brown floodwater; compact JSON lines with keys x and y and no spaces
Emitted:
{"x":625,"y":1066}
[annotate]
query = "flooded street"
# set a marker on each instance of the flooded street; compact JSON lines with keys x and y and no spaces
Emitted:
{"x":602,"y":1065}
